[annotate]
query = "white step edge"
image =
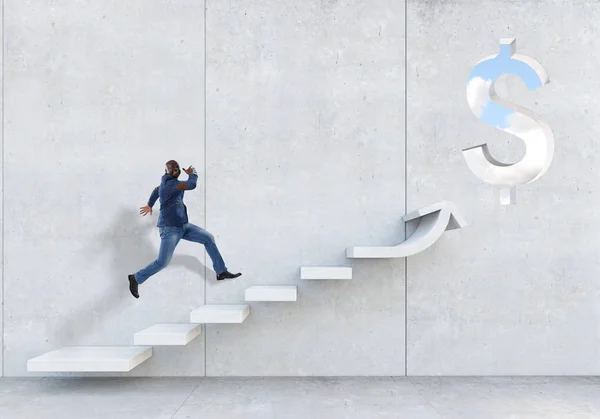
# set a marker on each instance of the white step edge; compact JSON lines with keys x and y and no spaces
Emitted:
{"x":214,"y":313}
{"x":272,"y":293}
{"x":168,"y":334}
{"x":90,"y":359}
{"x":317,"y":273}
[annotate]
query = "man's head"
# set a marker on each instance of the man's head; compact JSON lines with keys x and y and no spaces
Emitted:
{"x":172,"y":168}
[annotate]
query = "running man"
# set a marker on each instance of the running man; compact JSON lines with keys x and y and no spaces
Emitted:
{"x":173,"y":226}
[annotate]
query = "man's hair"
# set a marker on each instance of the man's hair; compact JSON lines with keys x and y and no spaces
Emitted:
{"x":171,"y":165}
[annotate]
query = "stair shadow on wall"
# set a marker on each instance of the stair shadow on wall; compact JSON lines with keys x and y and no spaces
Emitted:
{"x":130,"y":248}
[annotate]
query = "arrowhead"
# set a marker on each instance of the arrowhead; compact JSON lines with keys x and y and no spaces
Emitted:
{"x":456,"y":220}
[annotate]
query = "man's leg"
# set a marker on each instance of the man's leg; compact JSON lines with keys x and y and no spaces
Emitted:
{"x":169,"y":237}
{"x":197,"y":234}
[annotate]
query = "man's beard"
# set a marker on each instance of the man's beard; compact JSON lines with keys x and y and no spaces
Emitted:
{"x":173,"y":173}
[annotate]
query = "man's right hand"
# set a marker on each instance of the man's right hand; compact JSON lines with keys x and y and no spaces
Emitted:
{"x":145,"y":210}
{"x":190,"y":170}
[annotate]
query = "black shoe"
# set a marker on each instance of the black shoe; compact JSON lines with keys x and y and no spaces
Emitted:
{"x":227,"y":275}
{"x":133,"y":286}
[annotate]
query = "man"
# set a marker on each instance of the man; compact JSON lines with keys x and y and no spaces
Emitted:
{"x":173,"y":226}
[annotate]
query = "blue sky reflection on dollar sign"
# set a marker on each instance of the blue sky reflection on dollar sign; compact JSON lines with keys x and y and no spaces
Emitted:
{"x":509,"y":117}
{"x":488,"y":71}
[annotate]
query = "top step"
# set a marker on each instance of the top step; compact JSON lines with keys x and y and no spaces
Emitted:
{"x":431,"y":222}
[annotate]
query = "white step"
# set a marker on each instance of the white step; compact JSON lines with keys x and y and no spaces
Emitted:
{"x":325,"y":273}
{"x":220,"y":314}
{"x":272,"y":293}
{"x":168,"y":334}
{"x":90,"y":359}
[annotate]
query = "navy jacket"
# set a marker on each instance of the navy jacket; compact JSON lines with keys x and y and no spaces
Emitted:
{"x":173,"y":212}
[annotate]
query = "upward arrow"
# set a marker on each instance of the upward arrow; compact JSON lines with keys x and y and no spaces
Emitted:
{"x":431,"y":222}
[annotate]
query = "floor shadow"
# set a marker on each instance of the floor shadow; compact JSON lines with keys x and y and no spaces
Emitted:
{"x":130,"y":246}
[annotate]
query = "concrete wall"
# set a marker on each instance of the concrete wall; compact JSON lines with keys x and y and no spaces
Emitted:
{"x":99,"y":96}
{"x":518,"y":291}
{"x":301,"y":152}
{"x":305,"y":156}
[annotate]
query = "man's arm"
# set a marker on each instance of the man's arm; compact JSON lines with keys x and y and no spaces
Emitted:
{"x":189,"y":184}
{"x":153,"y":197}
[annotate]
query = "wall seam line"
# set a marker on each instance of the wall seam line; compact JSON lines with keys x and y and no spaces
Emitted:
{"x":3,"y":202}
{"x":405,"y":182}
{"x":205,"y":182}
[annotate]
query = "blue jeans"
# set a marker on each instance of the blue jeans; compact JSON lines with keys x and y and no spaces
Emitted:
{"x":169,"y":237}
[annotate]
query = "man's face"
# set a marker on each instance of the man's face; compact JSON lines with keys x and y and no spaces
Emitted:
{"x":172,"y":168}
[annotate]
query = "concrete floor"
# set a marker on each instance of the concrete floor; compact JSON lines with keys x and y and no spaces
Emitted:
{"x":300,"y":398}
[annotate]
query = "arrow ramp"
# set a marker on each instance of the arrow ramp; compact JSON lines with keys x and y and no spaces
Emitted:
{"x":430,"y":221}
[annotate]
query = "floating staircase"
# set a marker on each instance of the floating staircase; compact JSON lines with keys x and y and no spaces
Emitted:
{"x":429,"y":224}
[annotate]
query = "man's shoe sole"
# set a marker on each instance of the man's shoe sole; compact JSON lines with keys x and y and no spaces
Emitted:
{"x":236,"y":276}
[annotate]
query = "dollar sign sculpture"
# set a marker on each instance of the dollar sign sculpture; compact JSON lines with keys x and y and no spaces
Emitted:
{"x":509,"y":117}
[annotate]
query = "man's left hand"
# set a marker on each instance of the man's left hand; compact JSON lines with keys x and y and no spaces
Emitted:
{"x":145,"y":210}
